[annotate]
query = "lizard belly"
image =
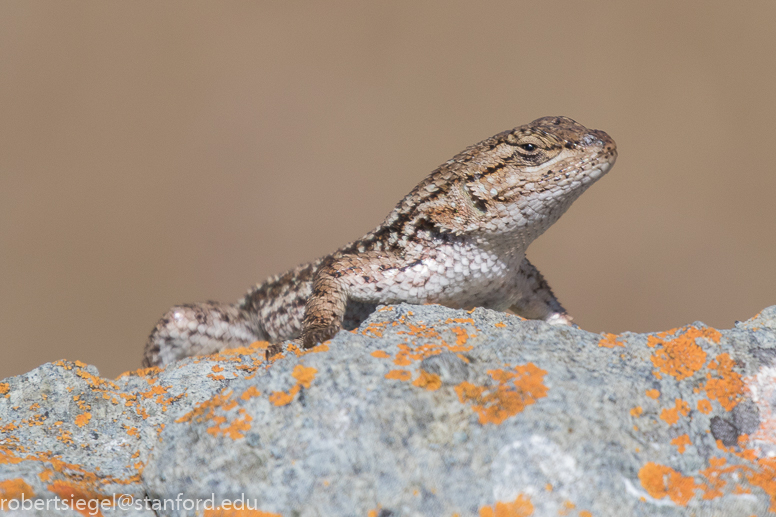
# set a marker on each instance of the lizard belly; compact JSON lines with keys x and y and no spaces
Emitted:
{"x":459,"y":274}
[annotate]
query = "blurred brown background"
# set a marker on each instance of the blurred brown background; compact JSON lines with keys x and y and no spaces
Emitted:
{"x":154,"y":153}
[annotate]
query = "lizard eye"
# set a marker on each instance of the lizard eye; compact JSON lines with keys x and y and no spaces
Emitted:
{"x":528,"y":143}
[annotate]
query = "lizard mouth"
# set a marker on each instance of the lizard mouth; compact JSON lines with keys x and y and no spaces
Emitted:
{"x":602,"y":168}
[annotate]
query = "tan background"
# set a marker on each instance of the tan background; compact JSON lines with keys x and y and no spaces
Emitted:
{"x":153,"y":153}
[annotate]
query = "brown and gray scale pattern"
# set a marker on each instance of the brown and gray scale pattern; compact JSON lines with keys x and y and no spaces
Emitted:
{"x":458,"y":239}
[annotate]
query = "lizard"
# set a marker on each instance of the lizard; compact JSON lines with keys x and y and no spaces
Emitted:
{"x":457,"y":239}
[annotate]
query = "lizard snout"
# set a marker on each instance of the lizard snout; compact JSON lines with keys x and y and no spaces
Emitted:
{"x":600,"y":139}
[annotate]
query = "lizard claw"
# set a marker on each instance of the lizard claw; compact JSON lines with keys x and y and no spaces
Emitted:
{"x":314,"y":336}
{"x":560,"y":319}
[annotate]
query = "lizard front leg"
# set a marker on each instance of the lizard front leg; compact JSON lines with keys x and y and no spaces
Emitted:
{"x":535,"y":298}
{"x":340,"y":281}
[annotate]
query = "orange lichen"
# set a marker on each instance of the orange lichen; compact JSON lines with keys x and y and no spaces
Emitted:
{"x":157,"y":391}
{"x":79,"y":498}
{"x":460,"y":320}
{"x":4,"y":388}
{"x":610,"y":341}
{"x":83,"y":419}
{"x":681,"y":442}
{"x":399,"y":375}
{"x":74,"y":482}
{"x":380,"y":354}
{"x":636,"y":411}
{"x":251,"y":392}
{"x":520,"y":507}
{"x":234,"y":355}
{"x":461,"y":336}
{"x":299,"y":352}
{"x":35,"y":420}
{"x":421,"y":331}
{"x":151,"y":371}
{"x":429,"y":381}
{"x":231,"y":512}
{"x":376,"y":329}
{"x":206,"y":410}
{"x":408,"y":354}
{"x":65,"y":437}
{"x":680,"y":356}
{"x":661,"y":481}
{"x":765,"y":478}
{"x":94,"y":381}
{"x":82,"y":404}
{"x":585,"y":513}
{"x":14,"y":489}
{"x":567,"y":507}
{"x":727,"y":387}
{"x":235,"y":429}
{"x":714,"y":482}
{"x":512,"y":393}
{"x":500,"y":325}
{"x":304,"y":375}
{"x":222,"y":426}
{"x":281,"y":398}
{"x":704,"y":406}
{"x":671,"y":416}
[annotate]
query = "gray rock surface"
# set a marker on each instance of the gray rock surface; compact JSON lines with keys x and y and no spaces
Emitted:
{"x":421,"y":411}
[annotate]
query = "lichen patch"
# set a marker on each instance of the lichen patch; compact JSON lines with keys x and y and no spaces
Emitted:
{"x":610,"y":341}
{"x":681,"y":442}
{"x":661,"y":481}
{"x":671,"y":415}
{"x":520,"y":507}
{"x":429,"y":381}
{"x":724,"y":385}
{"x":80,"y":498}
{"x":14,"y":489}
{"x":513,"y":392}
{"x":677,"y":354}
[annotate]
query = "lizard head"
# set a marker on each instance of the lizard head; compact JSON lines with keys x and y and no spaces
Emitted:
{"x":513,"y":185}
{"x":521,"y":181}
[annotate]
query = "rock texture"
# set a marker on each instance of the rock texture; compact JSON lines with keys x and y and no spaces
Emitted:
{"x":420,"y":411}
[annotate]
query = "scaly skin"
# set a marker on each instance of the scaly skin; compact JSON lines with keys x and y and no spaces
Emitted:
{"x":458,"y":239}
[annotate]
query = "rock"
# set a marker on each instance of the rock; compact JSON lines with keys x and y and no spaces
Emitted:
{"x":420,"y":411}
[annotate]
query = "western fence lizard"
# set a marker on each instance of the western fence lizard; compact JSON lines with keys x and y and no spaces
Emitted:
{"x":458,"y":239}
